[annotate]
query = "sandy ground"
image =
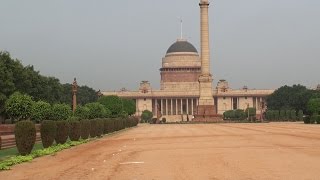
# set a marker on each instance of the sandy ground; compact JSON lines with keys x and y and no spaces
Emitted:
{"x":203,"y":151}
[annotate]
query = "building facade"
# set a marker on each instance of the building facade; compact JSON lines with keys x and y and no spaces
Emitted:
{"x":178,"y":96}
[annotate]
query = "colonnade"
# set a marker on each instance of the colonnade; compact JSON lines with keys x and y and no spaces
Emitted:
{"x":174,"y":106}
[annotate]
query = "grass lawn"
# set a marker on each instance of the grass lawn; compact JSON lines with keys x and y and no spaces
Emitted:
{"x":7,"y":153}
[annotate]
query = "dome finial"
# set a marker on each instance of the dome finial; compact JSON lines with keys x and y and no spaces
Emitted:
{"x":181,"y":27}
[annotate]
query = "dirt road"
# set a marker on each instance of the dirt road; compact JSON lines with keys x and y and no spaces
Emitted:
{"x":203,"y":151}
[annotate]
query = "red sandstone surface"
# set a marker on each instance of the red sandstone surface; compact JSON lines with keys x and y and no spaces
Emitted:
{"x":200,"y":151}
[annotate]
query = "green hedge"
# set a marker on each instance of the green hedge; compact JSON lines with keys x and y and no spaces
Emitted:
{"x":25,"y":135}
{"x":75,"y":130}
{"x":62,"y":131}
{"x":85,"y":128}
{"x":93,"y":128}
{"x":48,"y":132}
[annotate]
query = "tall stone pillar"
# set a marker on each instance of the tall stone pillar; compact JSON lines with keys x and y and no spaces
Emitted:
{"x":74,"y":95}
{"x":206,"y":109}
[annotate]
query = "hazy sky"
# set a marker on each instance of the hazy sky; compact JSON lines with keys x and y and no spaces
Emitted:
{"x":110,"y":44}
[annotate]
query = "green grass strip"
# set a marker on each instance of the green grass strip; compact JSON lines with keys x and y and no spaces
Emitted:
{"x":6,"y":164}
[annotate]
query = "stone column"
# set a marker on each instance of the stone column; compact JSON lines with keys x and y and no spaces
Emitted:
{"x":205,"y":79}
{"x":171,"y":113}
{"x":187,"y":104}
{"x":177,"y":112}
{"x":161,"y":106}
{"x":156,"y":104}
{"x":166,"y":106}
{"x":192,"y":106}
{"x":181,"y":105}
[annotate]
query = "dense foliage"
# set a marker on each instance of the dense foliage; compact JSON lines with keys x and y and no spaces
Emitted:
{"x":295,"y":97}
{"x":16,"y":77}
{"x":60,"y":112}
{"x":48,"y":132}
{"x":93,"y":128}
{"x":62,"y":131}
{"x":85,"y":128}
{"x":96,"y":110}
{"x":129,"y":106}
{"x":237,"y":114}
{"x":146,"y":116}
{"x":75,"y":130}
{"x":82,"y":112}
{"x":314,"y":105}
{"x":113,"y":103}
{"x":40,"y":111}
{"x":19,"y":106}
{"x":25,"y":134}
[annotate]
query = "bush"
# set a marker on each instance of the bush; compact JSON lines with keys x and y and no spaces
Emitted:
{"x":75,"y":130}
{"x":146,"y":116}
{"x":0,"y":142}
{"x":100,"y":128}
{"x":276,"y":115}
{"x":85,"y":128}
{"x":300,"y":115}
{"x":8,"y":121}
{"x":164,"y":120}
{"x":19,"y":106}
{"x":313,"y":118}
{"x":318,"y":119}
{"x":62,"y":131}
{"x":113,"y":103}
{"x":293,"y":115}
{"x":129,"y":106}
{"x":25,"y":134}
{"x":93,"y":128}
{"x":48,"y":132}
{"x":306,"y":119}
{"x":40,"y":111}
{"x":82,"y":112}
{"x":60,"y":112}
{"x":282,"y":115}
{"x":96,"y":110}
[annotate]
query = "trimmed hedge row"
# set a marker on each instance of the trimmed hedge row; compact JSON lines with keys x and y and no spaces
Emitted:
{"x":284,"y":115}
{"x":60,"y":131}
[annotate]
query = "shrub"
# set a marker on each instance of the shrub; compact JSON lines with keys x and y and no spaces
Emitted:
{"x":293,"y":115}
{"x":85,"y":128}
{"x":318,"y":119}
{"x":100,"y":127}
{"x":48,"y":132}
{"x":146,"y":116}
{"x":60,"y":112}
{"x":62,"y":131}
{"x":129,"y":106}
{"x":306,"y":119}
{"x":82,"y":112}
{"x":276,"y":115}
{"x":40,"y":111}
{"x":113,"y":103}
{"x":0,"y":142}
{"x":164,"y":120}
{"x":25,"y":134}
{"x":300,"y":115}
{"x":282,"y":114}
{"x":93,"y":128}
{"x":8,"y":121}
{"x":96,"y":110}
{"x":313,"y":118}
{"x":19,"y":106}
{"x":75,"y":130}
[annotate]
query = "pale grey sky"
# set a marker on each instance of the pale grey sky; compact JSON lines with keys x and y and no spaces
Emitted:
{"x":108,"y":44}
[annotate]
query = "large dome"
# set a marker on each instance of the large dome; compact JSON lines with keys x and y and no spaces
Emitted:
{"x":182,"y":46}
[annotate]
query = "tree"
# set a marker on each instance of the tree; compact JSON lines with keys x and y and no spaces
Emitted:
{"x":96,"y":110}
{"x":82,"y":112}
{"x":60,"y":112}
{"x":129,"y":106}
{"x":40,"y":111}
{"x":113,"y":103}
{"x":286,"y":97}
{"x":146,"y":116}
{"x":19,"y":106}
{"x":314,"y":105}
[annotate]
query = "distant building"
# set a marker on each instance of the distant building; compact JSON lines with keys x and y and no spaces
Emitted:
{"x":178,"y":95}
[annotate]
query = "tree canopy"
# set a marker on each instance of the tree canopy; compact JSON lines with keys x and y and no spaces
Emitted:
{"x":287,"y":97}
{"x":16,"y":77}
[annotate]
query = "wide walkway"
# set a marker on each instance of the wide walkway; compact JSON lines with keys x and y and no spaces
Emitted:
{"x":202,"y":151}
